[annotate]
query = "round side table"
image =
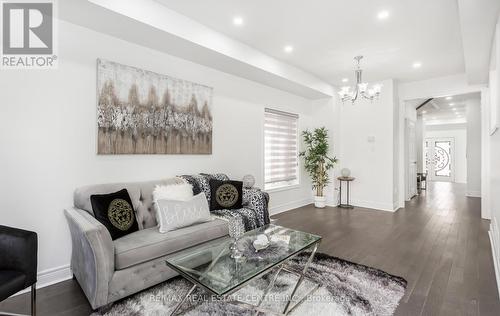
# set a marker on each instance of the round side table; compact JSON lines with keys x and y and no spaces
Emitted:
{"x":347,"y":180}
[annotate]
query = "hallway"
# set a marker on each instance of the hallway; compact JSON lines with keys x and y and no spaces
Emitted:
{"x":438,"y":243}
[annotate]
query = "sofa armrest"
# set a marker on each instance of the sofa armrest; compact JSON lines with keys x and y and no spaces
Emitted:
{"x":92,"y":257}
{"x":18,"y":252}
{"x":258,"y":201}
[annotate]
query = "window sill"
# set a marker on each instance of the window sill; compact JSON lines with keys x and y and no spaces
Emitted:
{"x":283,"y":188}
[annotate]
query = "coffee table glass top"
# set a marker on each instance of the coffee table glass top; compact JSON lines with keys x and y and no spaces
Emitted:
{"x":210,"y":264}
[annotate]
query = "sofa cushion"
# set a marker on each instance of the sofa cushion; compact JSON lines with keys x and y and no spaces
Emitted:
{"x":141,"y":194}
{"x":148,"y":244}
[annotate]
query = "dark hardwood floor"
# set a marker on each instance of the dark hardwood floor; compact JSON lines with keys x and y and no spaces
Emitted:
{"x":438,"y":243}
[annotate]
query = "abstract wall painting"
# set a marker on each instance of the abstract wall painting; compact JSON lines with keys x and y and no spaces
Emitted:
{"x":142,"y":112}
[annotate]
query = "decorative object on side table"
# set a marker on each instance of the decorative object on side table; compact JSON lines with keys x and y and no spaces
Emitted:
{"x":317,"y":161}
{"x":345,"y":172}
{"x":348,"y":181}
{"x":248,"y":181}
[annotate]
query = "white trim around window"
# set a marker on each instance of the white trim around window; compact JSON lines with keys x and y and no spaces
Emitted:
{"x":281,"y":150}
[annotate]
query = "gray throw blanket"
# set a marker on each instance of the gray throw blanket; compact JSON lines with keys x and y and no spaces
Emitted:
{"x":252,"y":215}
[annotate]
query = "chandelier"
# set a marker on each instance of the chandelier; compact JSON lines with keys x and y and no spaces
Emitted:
{"x":361,"y":88}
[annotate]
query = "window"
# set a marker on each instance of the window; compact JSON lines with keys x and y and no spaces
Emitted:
{"x":281,"y":149}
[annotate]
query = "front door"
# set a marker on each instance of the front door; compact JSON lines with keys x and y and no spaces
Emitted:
{"x":439,"y":157}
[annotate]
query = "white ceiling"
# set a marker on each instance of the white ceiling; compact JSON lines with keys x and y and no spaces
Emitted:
{"x":445,"y":111}
{"x":477,"y":20}
{"x":151,"y":24}
{"x":327,"y":34}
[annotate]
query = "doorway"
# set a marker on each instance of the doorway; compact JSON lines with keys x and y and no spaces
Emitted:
{"x":439,"y":158}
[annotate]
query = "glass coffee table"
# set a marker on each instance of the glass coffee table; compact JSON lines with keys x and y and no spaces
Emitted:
{"x":211,"y":266}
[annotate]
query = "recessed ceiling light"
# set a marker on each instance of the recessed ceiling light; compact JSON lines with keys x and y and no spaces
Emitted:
{"x":423,"y":112}
{"x":449,"y":98}
{"x":288,"y":49}
{"x":452,"y":104}
{"x":345,"y":80}
{"x":238,"y":20}
{"x":382,"y":15}
{"x":417,"y":64}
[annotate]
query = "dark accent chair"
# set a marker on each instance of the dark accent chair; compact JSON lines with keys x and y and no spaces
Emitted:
{"x":18,"y":263}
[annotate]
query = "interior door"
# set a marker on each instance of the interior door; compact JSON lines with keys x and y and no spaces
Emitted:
{"x":411,"y":159}
{"x":440,"y":159}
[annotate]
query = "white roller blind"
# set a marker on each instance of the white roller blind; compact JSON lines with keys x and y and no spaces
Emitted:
{"x":281,"y":148}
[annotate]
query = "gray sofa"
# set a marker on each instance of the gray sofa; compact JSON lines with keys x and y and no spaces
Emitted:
{"x":109,"y":270}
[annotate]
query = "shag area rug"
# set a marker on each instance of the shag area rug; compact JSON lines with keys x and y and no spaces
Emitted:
{"x":346,"y":288}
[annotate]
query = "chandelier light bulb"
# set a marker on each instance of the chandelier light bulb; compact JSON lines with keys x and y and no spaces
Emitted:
{"x":360,"y":88}
{"x":377,"y":88}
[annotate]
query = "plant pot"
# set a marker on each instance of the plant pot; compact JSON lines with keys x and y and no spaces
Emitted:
{"x":320,"y":201}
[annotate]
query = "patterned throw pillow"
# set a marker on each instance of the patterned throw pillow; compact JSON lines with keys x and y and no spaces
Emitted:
{"x":115,"y":212}
{"x":226,"y":195}
{"x":173,"y":214}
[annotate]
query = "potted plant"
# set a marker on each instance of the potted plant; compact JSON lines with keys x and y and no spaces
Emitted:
{"x":317,"y":162}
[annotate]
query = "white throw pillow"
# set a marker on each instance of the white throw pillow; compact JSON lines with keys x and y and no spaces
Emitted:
{"x":179,"y":192}
{"x":173,"y":214}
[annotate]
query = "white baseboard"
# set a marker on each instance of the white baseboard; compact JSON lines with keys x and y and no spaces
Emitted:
{"x":388,"y":207}
{"x":495,"y":250}
{"x":289,"y":206}
{"x":367,"y":204}
{"x":473,"y":193}
{"x":50,"y":276}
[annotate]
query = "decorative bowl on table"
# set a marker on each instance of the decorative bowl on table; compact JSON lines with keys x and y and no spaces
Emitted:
{"x":261,"y":242}
{"x":254,"y":248}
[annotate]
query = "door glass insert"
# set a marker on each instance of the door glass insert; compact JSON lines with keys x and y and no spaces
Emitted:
{"x":438,"y":158}
{"x":442,"y":161}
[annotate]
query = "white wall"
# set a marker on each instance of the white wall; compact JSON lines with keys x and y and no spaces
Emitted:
{"x":493,"y":173}
{"x":436,"y":87}
{"x":48,"y":135}
{"x":474,"y":147}
{"x":459,"y":133}
{"x":367,"y":148}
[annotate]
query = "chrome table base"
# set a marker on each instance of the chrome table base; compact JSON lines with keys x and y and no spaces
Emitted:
{"x":288,"y":307}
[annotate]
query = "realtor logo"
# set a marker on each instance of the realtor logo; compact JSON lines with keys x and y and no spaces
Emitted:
{"x":28,"y":35}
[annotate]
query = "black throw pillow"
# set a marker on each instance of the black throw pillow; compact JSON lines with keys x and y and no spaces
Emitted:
{"x":115,"y":211}
{"x":225,"y":195}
